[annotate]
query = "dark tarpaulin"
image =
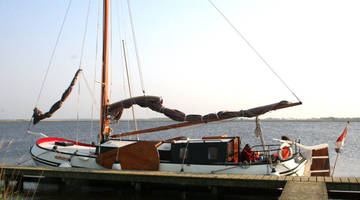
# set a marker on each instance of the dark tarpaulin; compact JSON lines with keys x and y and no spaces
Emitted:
{"x":38,"y":115}
{"x":155,"y":103}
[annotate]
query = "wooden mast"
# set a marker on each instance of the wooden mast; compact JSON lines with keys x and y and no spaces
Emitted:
{"x":104,"y":121}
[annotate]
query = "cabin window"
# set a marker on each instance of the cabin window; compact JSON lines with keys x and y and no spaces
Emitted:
{"x":183,"y":153}
{"x":212,"y":153}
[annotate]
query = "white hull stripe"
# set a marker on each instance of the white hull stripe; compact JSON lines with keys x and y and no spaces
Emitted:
{"x":55,"y":162}
{"x":45,"y":162}
{"x":66,"y":153}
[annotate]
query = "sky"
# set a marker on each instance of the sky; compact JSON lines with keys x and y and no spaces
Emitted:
{"x":189,"y":55}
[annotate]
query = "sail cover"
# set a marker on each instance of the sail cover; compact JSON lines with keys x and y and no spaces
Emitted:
{"x":38,"y":115}
{"x":155,"y":103}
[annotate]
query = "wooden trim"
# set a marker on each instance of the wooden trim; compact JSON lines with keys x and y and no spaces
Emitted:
{"x":318,"y":171}
{"x":320,"y":157}
{"x":142,"y":155}
{"x":62,"y":158}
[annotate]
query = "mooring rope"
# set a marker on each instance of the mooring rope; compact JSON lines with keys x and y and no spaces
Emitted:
{"x":253,"y":48}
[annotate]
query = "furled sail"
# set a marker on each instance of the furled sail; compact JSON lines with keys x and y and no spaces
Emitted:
{"x":38,"y":115}
{"x":155,"y":103}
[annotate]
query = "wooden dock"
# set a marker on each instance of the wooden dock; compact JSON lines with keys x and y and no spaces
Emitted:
{"x":291,"y":187}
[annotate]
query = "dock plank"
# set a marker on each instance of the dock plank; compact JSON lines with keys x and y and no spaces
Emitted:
{"x":297,"y":178}
{"x":312,"y":179}
{"x":320,"y":179}
{"x":304,"y":190}
{"x":344,"y":180}
{"x":358,"y":179}
{"x":150,"y":177}
{"x":266,"y":178}
{"x":328,"y":179}
{"x":257,"y":177}
{"x":304,"y":178}
{"x":336,"y":180}
{"x":352,"y":180}
{"x":181,"y":179}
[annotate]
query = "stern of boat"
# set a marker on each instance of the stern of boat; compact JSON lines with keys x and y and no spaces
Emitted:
{"x":292,"y":167}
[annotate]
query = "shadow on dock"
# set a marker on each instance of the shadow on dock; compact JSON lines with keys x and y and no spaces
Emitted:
{"x":56,"y":188}
{"x":72,"y":183}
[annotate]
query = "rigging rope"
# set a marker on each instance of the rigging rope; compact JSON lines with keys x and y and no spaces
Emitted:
{"x":136,"y":48}
{"x":129,"y":85}
{"x":80,"y":66}
{"x":95,"y":66}
{"x":53,"y":52}
{"x":121,"y":59}
{"x":90,"y":91}
{"x":51,"y":60}
{"x":120,"y":10}
{"x":78,"y":114}
{"x":125,"y":70}
{"x":253,"y":48}
{"x":84,"y":36}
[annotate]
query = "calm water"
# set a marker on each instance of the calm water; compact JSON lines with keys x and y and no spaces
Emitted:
{"x":15,"y":143}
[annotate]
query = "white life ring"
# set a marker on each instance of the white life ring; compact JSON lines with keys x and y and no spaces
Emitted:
{"x":285,"y":145}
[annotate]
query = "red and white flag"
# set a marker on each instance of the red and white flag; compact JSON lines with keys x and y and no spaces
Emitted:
{"x":340,"y":141}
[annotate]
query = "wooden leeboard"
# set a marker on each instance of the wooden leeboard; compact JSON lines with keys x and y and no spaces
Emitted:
{"x":320,"y":165}
{"x":142,"y":155}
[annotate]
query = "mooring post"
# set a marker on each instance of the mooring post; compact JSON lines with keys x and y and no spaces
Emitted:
{"x":137,"y":187}
{"x":20,"y":184}
{"x":6,"y":183}
{"x":183,"y":195}
{"x":6,"y":186}
{"x":62,"y":185}
{"x":217,"y":192}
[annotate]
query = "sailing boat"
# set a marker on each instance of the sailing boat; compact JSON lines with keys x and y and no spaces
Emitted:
{"x":214,"y":154}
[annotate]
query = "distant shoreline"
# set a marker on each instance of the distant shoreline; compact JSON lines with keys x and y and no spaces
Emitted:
{"x":168,"y":120}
